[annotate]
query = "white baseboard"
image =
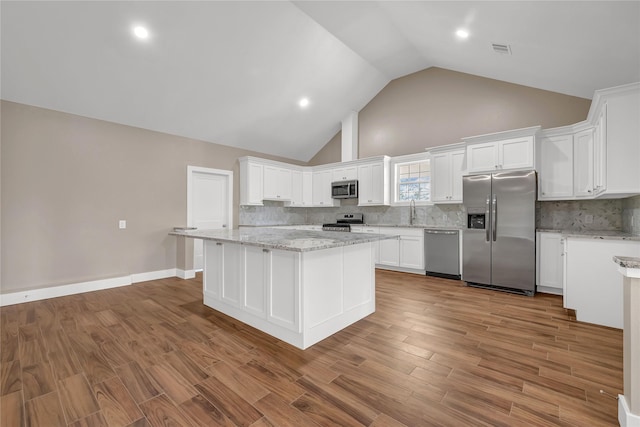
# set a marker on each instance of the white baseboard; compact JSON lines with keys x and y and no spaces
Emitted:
{"x":78,"y":288}
{"x":153,"y":275}
{"x":625,"y":417}
{"x":185,"y":274}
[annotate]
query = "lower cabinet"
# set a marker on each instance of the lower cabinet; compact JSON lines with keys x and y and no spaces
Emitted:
{"x":593,"y":285}
{"x":550,"y":263}
{"x":406,"y":253}
{"x":369,"y":230}
{"x":298,"y":297}
{"x":268,"y":290}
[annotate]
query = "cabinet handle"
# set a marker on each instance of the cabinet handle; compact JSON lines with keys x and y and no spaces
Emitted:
{"x":266,"y":251}
{"x":218,"y":244}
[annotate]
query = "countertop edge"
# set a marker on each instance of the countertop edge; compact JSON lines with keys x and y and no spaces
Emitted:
{"x":627,"y":262}
{"x":361,"y":238}
{"x":602,"y":234}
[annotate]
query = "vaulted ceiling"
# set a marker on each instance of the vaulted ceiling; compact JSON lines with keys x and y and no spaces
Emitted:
{"x":233,"y":72}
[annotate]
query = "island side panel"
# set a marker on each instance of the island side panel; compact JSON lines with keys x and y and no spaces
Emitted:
{"x":338,"y":289}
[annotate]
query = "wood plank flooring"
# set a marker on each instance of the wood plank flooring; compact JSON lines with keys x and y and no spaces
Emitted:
{"x":434,"y":353}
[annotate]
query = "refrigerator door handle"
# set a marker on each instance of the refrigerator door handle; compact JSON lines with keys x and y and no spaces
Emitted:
{"x":494,"y":217}
{"x":487,"y":221}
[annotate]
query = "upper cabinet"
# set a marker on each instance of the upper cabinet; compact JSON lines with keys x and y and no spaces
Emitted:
{"x":301,"y":189}
{"x":251,"y":189}
{"x":447,"y":168}
{"x":605,"y":150}
{"x":555,"y":167}
{"x":321,"y":191}
{"x":344,"y":174}
{"x":373,"y":182}
{"x":276,"y":183}
{"x":500,"y":154}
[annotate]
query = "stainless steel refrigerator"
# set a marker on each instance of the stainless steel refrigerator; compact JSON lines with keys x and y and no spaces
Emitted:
{"x":499,"y":243}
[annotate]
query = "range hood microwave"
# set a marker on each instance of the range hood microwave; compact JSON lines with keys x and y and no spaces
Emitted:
{"x":344,"y":189}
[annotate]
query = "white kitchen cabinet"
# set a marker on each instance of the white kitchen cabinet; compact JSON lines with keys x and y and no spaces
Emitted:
{"x":555,"y":167}
{"x":406,"y":253}
{"x":277,"y":183}
{"x":301,"y":189}
{"x":600,"y":152}
{"x":446,"y":176}
{"x":593,"y":285}
{"x":389,"y":252}
{"x":550,"y":262}
{"x":251,"y":182}
{"x":583,"y":163}
{"x":321,"y":193}
{"x":344,"y":174}
{"x":373,"y":183}
{"x":512,"y":153}
{"x":369,"y":230}
{"x":412,"y":249}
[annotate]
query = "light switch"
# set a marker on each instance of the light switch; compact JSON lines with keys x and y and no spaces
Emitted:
{"x":122,"y":224}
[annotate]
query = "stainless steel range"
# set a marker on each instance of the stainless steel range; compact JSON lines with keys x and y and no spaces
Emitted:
{"x":343,"y":222}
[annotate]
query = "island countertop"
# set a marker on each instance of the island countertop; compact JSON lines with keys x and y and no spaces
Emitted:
{"x":288,"y":240}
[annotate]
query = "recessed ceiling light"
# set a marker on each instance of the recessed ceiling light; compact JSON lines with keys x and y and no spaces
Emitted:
{"x":303,"y":103}
{"x":463,"y":34}
{"x":141,"y":32}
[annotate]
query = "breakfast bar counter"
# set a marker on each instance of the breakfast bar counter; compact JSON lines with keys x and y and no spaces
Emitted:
{"x":299,"y":286}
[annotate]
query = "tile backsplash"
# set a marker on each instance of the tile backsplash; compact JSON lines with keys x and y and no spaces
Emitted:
{"x":631,"y":215}
{"x":575,"y":215}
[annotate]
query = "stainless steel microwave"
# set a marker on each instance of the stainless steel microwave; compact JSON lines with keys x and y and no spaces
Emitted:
{"x":344,"y":189}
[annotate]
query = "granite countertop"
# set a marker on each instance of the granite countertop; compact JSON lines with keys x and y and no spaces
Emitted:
{"x":627,"y":261}
{"x":288,"y":240}
{"x":594,"y":234}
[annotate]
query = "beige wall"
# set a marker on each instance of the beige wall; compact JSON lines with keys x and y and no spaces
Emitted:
{"x":436,"y":107}
{"x":67,"y":180}
{"x":330,"y":153}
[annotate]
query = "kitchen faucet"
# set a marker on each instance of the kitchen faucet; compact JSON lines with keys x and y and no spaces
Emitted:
{"x":412,"y":211}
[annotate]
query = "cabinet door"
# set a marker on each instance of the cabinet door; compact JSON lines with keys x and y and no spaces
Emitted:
{"x":213,"y":271}
{"x":389,"y":252}
{"x":412,"y":252}
{"x":583,"y":164}
{"x":283,"y":284}
{"x":556,"y":167}
{"x":251,"y":187}
{"x":255,"y":281}
{"x":482,"y":157}
{"x":322,"y":188}
{"x":271,"y":178}
{"x":307,"y":188}
{"x":369,"y":230}
{"x":343,"y":174}
{"x":600,"y":153}
{"x":372,"y":186}
{"x":516,"y":153}
{"x":284,"y":184}
{"x":441,"y":177}
{"x":233,"y":274}
{"x":551,"y":261}
{"x":296,"y":189}
{"x":457,"y":165}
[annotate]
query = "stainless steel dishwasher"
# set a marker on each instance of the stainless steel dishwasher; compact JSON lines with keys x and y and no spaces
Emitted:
{"x":442,"y":253}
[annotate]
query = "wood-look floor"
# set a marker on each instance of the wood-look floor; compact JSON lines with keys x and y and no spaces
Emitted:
{"x":434,"y":353}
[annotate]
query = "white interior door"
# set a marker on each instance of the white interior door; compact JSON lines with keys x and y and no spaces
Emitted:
{"x":209,"y":195}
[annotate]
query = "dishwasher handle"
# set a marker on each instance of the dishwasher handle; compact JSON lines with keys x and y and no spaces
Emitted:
{"x":449,"y":232}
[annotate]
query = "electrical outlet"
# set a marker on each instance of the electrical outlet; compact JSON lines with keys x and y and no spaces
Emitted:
{"x":122,"y":224}
{"x":588,"y":219}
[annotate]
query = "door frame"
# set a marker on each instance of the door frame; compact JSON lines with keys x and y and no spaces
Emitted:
{"x":191,"y":170}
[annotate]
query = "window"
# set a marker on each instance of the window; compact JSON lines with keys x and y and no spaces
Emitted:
{"x":413,"y":181}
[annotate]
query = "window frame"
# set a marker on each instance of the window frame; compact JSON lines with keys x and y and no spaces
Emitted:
{"x":395,"y":164}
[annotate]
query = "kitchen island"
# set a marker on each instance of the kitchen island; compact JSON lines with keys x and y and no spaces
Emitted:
{"x":299,"y":286}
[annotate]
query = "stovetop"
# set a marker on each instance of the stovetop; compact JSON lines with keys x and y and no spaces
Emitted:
{"x":343,"y":222}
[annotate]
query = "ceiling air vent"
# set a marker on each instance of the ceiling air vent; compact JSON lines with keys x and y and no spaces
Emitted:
{"x":503,"y":49}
